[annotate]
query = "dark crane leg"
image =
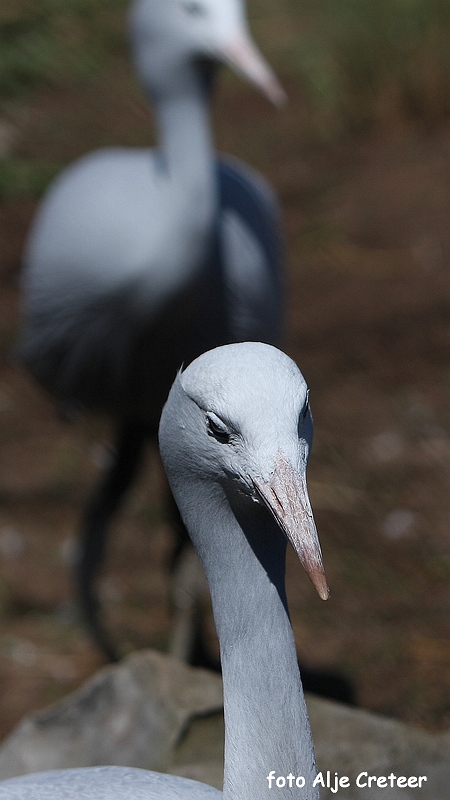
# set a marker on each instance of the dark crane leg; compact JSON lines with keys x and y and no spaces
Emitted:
{"x":131,"y":441}
{"x":188,"y":583}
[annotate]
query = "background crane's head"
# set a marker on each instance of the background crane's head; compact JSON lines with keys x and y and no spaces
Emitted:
{"x":168,"y":35}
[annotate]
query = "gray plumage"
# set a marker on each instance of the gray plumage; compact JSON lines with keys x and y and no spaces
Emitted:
{"x":235,"y":437}
{"x":105,"y":783}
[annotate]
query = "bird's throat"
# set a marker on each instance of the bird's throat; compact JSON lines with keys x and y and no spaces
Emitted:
{"x":266,"y":720}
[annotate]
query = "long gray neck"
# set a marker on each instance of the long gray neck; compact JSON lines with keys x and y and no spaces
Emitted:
{"x":186,"y":187}
{"x":186,"y":146}
{"x":266,"y":720}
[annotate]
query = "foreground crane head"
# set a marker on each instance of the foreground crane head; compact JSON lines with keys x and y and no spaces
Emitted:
{"x":239,"y":417}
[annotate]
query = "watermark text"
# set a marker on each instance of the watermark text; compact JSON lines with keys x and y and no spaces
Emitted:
{"x":333,"y":781}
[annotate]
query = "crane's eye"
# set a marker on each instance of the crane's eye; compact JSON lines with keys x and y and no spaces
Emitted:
{"x":305,"y":408}
{"x":194,"y":8}
{"x":217,"y":428}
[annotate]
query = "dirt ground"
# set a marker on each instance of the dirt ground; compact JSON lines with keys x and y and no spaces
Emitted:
{"x":368,"y":272}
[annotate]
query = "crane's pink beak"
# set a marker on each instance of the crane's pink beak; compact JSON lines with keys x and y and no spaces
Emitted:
{"x":286,"y":497}
{"x":242,"y":55}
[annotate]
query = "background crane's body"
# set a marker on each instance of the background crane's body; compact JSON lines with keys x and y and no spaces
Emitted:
{"x":107,"y":325}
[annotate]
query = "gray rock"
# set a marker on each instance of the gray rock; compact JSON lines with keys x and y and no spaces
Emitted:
{"x":199,"y":755}
{"x":351,"y":741}
{"x":348,"y":742}
{"x":129,"y":714}
{"x":154,"y":712}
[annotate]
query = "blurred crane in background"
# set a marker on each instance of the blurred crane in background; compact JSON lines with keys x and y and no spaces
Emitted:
{"x":140,"y":259}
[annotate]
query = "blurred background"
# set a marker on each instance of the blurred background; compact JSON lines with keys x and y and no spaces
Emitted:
{"x":361,"y":161}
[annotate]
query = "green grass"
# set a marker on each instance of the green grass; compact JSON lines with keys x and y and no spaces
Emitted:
{"x":51,"y":43}
{"x":364,"y":63}
{"x":361,"y":64}
{"x":24,"y":177}
{"x":55,"y":41}
{"x":357,"y":60}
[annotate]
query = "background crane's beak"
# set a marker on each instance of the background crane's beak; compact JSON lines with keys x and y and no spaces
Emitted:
{"x":286,"y":497}
{"x":243,"y":55}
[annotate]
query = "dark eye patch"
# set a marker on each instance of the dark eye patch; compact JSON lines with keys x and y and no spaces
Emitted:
{"x":194,"y":8}
{"x":217,"y":429}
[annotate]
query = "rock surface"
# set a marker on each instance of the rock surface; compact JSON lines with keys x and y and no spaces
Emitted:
{"x":129,"y":714}
{"x":351,"y":741}
{"x":154,"y":712}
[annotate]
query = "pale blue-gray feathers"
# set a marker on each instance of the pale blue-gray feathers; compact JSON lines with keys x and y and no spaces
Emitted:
{"x":105,"y":783}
